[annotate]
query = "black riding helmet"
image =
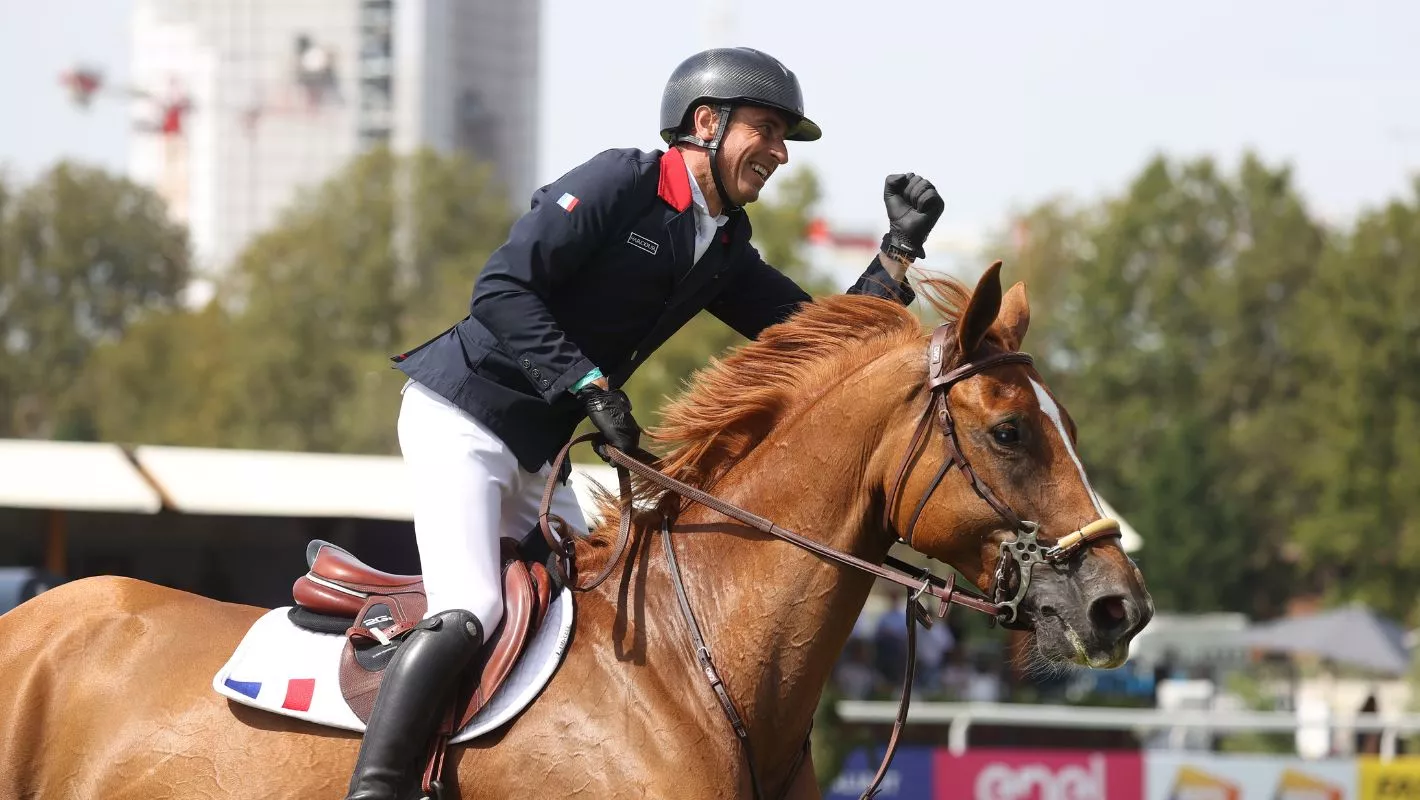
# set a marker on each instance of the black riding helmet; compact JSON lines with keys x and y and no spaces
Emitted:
{"x":724,"y":78}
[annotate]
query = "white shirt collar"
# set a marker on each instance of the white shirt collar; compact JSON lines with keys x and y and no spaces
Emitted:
{"x":699,"y":198}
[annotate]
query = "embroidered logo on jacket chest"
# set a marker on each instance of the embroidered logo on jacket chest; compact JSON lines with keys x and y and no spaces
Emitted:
{"x":641,"y":242}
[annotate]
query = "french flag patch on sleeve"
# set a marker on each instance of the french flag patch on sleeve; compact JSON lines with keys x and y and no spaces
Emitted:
{"x":568,"y":201}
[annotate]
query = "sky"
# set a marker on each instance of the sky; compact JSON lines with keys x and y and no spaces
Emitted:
{"x":1001,"y":105}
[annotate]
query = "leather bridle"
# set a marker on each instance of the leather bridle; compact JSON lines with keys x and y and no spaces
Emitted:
{"x":1022,"y":552}
{"x":1025,"y":550}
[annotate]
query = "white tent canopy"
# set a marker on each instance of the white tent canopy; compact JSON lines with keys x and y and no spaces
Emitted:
{"x":198,"y":480}
{"x":284,"y":484}
{"x":76,"y":476}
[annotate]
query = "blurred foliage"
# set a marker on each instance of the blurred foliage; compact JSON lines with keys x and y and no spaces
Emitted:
{"x":829,"y":742}
{"x":1357,"y":416}
{"x":83,"y":256}
{"x":1251,"y":688}
{"x":293,"y":353}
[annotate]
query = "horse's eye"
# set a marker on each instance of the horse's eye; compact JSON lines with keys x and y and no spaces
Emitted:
{"x":1006,"y":433}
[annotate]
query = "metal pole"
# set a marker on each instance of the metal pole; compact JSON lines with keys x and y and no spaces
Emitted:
{"x":957,"y":734}
{"x":55,"y":546}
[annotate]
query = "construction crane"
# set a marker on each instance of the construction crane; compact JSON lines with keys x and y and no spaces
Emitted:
{"x":86,"y":83}
{"x":313,"y":77}
{"x":166,"y":112}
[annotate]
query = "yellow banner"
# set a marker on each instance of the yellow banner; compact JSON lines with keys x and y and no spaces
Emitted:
{"x":1396,"y":780}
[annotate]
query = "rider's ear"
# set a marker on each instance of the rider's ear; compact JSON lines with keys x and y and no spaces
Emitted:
{"x":1014,"y":317}
{"x":980,"y":312}
{"x":705,"y":120}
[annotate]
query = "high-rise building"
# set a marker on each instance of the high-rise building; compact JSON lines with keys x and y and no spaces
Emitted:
{"x":253,"y":100}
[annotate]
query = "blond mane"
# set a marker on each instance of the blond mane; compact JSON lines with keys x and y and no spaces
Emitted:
{"x":731,"y":404}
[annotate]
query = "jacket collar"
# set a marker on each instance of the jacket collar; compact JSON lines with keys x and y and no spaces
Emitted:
{"x":674,"y":186}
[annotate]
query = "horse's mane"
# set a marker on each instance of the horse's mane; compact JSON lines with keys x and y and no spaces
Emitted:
{"x":731,"y":404}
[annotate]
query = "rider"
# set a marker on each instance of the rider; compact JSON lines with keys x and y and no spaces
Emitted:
{"x":612,"y":258}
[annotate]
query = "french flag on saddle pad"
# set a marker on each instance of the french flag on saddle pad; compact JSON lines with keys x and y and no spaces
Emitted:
{"x":568,"y":201}
{"x":299,"y":691}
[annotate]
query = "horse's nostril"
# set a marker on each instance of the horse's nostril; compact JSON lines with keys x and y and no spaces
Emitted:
{"x":1108,"y":613}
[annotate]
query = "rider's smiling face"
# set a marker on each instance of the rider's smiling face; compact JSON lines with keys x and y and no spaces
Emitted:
{"x":752,"y":149}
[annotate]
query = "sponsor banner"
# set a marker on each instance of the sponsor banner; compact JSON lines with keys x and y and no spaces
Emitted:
{"x":1205,"y":776}
{"x":1039,"y":775}
{"x":909,"y":777}
{"x":1394,"y":780}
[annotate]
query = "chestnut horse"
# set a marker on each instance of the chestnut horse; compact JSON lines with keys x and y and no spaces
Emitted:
{"x":105,"y":683}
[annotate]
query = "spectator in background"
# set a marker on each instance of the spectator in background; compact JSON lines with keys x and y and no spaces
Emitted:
{"x":855,"y":676}
{"x":983,"y":684}
{"x":933,"y":646}
{"x":890,"y":639}
{"x":1369,"y":742}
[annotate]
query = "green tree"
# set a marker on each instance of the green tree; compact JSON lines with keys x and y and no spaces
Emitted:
{"x":83,"y":254}
{"x":1042,"y":249}
{"x":781,"y":222}
{"x":294,"y":352}
{"x":1169,"y":308}
{"x":1361,"y":464}
{"x":378,"y":259}
{"x":168,"y":380}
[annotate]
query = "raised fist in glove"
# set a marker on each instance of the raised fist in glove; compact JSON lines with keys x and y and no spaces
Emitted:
{"x":610,"y":411}
{"x":913,"y":207}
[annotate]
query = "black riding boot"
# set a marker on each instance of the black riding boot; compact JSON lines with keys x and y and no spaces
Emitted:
{"x":412,"y":696}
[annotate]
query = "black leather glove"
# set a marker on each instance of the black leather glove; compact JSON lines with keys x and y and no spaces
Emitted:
{"x":610,"y":411}
{"x":913,"y":207}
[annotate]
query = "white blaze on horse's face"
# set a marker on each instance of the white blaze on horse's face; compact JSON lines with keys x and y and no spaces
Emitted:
{"x":1052,"y":410}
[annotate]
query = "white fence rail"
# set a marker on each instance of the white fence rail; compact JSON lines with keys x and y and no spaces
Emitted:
{"x":959,"y":717}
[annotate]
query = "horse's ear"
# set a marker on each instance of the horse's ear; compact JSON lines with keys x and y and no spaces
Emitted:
{"x":980,"y":312}
{"x":1014,"y":317}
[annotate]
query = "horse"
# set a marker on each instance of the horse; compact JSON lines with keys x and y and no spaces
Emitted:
{"x":820,"y":421}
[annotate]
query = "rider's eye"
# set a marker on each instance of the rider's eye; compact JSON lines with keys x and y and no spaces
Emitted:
{"x":1006,"y":433}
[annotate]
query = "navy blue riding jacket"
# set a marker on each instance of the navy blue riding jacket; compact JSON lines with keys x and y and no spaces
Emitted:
{"x":598,"y":274}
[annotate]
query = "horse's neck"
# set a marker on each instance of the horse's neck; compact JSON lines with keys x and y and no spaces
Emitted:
{"x":776,"y":617}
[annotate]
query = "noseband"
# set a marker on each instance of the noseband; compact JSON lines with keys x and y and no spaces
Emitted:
{"x":1025,"y":550}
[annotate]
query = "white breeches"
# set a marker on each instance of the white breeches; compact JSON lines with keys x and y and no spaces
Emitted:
{"x":468,"y":492}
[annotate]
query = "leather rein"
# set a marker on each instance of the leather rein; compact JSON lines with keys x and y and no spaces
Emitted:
{"x":1022,"y":552}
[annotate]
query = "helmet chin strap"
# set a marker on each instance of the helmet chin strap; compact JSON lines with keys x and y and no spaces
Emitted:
{"x":713,"y":145}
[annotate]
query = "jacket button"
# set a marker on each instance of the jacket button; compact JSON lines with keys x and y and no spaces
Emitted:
{"x":527,"y":363}
{"x":536,"y":374}
{"x":545,"y":384}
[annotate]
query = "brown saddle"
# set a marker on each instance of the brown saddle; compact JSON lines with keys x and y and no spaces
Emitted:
{"x":381,"y":607}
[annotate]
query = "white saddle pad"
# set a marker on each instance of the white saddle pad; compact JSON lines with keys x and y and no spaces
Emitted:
{"x":294,"y":672}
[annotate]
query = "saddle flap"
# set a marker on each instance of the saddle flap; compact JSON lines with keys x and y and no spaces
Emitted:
{"x":499,"y":655}
{"x":371,"y":643}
